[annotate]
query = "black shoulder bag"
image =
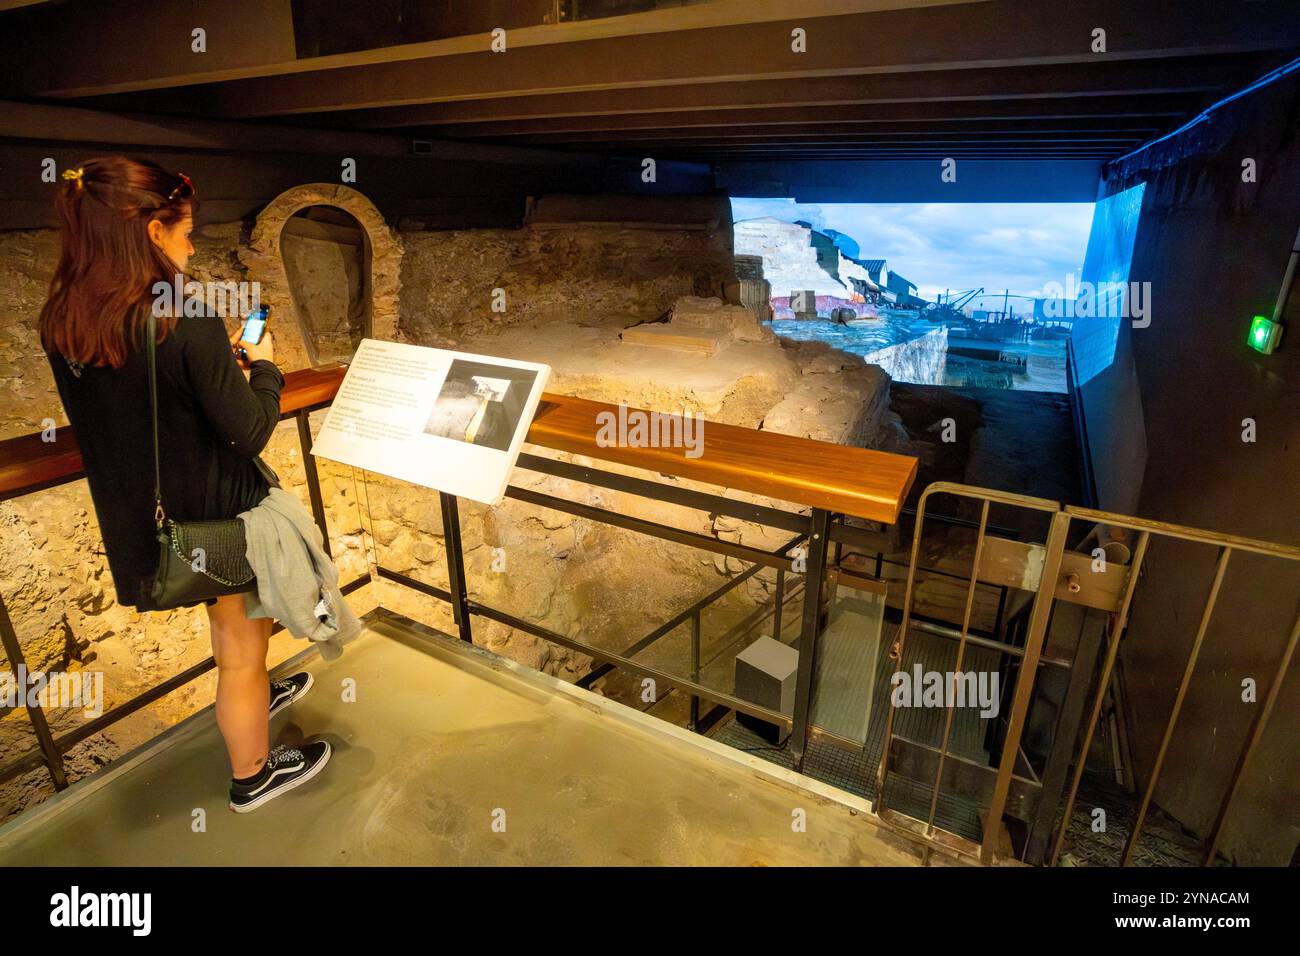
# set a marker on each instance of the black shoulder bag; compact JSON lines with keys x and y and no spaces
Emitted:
{"x":197,"y":560}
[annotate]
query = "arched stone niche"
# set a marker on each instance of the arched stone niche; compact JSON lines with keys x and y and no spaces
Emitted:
{"x":262,"y":257}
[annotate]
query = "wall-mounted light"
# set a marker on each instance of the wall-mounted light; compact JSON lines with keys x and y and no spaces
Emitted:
{"x":1264,"y":334}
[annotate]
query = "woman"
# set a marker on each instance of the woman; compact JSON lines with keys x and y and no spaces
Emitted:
{"x":126,"y":227}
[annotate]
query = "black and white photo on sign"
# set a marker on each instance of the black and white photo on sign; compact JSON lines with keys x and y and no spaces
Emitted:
{"x":481,"y":403}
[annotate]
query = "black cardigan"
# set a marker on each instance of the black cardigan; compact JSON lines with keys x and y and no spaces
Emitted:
{"x":212,"y":423}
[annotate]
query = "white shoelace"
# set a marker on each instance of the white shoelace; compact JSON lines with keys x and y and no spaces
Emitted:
{"x":283,"y":753}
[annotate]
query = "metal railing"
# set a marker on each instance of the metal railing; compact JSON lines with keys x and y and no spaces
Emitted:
{"x":1055,"y":574}
{"x":813,"y":528}
{"x":1227,"y":545}
{"x":1049,"y":570}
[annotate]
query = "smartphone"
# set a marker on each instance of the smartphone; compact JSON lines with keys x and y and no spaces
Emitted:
{"x":255,"y":325}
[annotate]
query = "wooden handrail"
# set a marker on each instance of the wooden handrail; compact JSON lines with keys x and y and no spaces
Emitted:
{"x":853,"y":481}
{"x":29,"y":463}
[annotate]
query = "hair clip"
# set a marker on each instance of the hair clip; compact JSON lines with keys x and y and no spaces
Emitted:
{"x":74,"y":174}
{"x":184,"y":191}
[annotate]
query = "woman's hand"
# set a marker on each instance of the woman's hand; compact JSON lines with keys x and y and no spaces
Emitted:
{"x":264,"y":349}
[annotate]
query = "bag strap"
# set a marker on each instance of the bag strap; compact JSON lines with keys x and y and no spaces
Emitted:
{"x":158,"y":514}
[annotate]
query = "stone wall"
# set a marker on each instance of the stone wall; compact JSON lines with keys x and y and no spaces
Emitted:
{"x":329,"y":286}
{"x":789,"y":258}
{"x":920,"y":360}
{"x":553,"y":275}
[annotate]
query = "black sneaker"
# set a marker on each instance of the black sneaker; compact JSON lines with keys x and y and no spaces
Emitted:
{"x":285,"y":768}
{"x":288,"y":689}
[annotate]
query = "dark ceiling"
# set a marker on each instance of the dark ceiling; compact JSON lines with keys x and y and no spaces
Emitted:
{"x":711,"y":81}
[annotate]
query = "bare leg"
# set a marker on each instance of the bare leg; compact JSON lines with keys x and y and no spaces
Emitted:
{"x":239,"y":646}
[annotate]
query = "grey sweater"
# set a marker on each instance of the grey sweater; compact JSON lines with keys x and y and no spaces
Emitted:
{"x":297,"y":583}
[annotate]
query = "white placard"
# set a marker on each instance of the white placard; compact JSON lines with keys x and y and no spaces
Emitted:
{"x":452,"y":421}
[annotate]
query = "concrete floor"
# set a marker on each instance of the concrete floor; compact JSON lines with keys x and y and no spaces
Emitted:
{"x":441,"y":736}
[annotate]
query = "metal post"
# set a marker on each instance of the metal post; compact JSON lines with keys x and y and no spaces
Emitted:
{"x":812,"y":593}
{"x":957,"y":675}
{"x":695,"y":668}
{"x":1066,"y":733}
{"x":455,"y":565}
{"x":896,"y":649}
{"x":1136,"y":833}
{"x":313,"y":479}
{"x":53,"y":759}
{"x":780,"y":600}
{"x":1038,"y":618}
{"x":1118,"y":623}
{"x":1287,"y":278}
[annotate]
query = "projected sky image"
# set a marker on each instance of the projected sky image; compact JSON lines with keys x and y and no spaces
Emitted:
{"x":999,"y":246}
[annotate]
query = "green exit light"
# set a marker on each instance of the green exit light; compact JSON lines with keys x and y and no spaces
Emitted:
{"x":1264,"y":334}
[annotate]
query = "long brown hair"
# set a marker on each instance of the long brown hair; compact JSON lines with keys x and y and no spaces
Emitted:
{"x":102,"y":290}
